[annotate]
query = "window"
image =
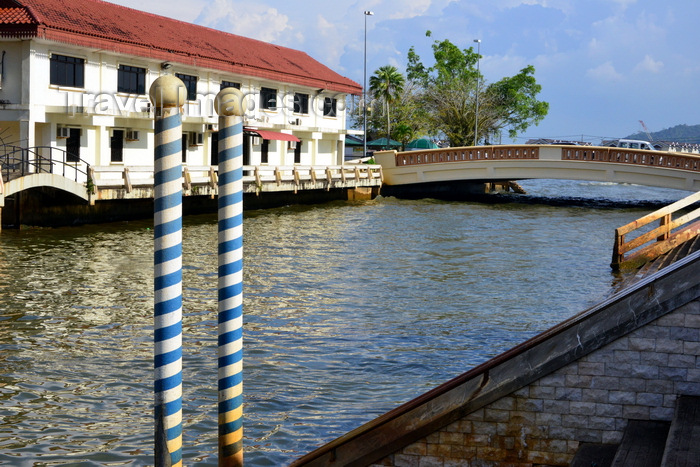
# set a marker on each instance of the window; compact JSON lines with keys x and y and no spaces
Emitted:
{"x":190,"y":84}
{"x":73,"y":145}
{"x":229,"y":84}
{"x":297,"y":153}
{"x":116,"y":146}
{"x":131,"y":79}
{"x":264,"y":151}
{"x":214,"y":148}
{"x":301,"y":103}
{"x":67,"y":71}
{"x":329,"y":107}
{"x":246,"y":148}
{"x":268,"y":99}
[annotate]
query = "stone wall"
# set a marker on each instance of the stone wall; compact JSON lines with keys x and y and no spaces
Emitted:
{"x":637,"y":376}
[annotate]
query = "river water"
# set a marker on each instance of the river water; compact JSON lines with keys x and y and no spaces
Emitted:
{"x":350,"y":309}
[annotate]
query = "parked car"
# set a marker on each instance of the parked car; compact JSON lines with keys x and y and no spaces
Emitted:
{"x":632,"y":144}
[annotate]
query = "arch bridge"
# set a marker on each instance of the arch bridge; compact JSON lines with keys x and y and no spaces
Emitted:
{"x":43,"y":166}
{"x":520,"y":162}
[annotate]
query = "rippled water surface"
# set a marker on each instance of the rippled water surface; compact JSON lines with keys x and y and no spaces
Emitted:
{"x":350,"y":310}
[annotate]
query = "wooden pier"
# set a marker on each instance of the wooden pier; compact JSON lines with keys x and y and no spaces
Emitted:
{"x":137,"y":182}
{"x":39,"y":193}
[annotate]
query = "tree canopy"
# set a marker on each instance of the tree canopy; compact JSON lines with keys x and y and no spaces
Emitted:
{"x":440,"y":100}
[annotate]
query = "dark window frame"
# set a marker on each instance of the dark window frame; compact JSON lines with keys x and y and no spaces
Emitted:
{"x":265,"y":151}
{"x":73,"y":144}
{"x":268,"y":99}
{"x":116,"y":145}
{"x":190,"y":84}
{"x":131,"y":79}
{"x":68,"y":71}
{"x":214,"y":148}
{"x":330,"y":107}
{"x":301,"y":103}
{"x":297,"y":152}
{"x":229,"y":84}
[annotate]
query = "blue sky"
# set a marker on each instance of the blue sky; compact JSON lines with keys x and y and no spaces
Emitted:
{"x":604,"y":65}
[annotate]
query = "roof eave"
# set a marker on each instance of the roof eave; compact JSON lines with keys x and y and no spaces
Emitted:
{"x":96,"y":42}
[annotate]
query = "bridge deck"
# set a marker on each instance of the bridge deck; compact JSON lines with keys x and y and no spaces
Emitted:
{"x":518,"y":162}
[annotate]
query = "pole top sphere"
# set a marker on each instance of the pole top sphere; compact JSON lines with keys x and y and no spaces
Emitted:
{"x":230,"y":102}
{"x":168,"y":91}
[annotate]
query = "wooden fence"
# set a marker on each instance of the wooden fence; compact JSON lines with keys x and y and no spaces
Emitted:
{"x":646,"y":246}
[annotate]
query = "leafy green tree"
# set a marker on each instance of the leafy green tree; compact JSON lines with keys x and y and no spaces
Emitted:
{"x":448,"y":92}
{"x":386,"y":85}
{"x":512,"y":103}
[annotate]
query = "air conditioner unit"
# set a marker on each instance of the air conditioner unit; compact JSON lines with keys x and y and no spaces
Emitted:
{"x":62,"y":132}
{"x":132,"y":135}
{"x":212,"y":127}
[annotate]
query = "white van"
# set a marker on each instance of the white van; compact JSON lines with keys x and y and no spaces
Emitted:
{"x":633,"y":144}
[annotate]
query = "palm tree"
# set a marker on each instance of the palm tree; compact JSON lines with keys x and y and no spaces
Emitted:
{"x":403,"y":134}
{"x":387,"y":84}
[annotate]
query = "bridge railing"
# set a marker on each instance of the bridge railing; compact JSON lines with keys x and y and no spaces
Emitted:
{"x":18,"y":162}
{"x":634,"y":157}
{"x":465,"y":154}
{"x":654,"y":242}
{"x":672,"y":160}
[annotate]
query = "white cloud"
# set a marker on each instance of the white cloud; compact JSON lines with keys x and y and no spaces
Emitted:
{"x":649,"y":65}
{"x":253,"y":20}
{"x":499,"y":66}
{"x":605,"y":72}
{"x":330,"y":41}
{"x":565,"y":6}
{"x":410,"y":9}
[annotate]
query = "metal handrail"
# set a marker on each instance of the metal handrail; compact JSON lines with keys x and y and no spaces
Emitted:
{"x":16,"y":162}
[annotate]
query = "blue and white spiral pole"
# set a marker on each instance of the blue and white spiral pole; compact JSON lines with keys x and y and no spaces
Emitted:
{"x":230,"y":105}
{"x":167,"y":95}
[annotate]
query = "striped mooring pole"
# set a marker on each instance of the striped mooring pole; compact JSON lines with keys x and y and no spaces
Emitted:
{"x":167,"y":95}
{"x":229,"y":104}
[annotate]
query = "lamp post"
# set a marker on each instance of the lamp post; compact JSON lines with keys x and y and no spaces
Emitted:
{"x":476,"y":114}
{"x":364,"y":91}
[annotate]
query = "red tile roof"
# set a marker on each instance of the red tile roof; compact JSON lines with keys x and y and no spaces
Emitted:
{"x":102,"y":25}
{"x":15,"y":16}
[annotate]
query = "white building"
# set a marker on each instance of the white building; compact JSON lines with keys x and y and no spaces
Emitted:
{"x":75,"y":76}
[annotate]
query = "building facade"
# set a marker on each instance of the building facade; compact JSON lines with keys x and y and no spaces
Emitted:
{"x":75,"y":78}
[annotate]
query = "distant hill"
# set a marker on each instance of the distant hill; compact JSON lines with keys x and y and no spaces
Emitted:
{"x":679,"y":133}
